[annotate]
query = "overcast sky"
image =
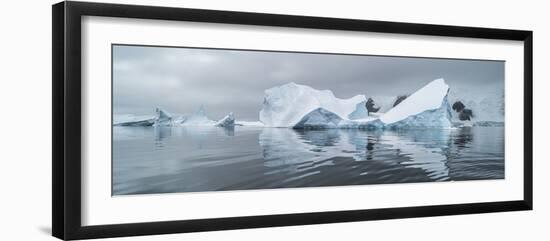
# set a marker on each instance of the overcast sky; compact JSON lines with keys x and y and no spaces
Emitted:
{"x":180,"y":80}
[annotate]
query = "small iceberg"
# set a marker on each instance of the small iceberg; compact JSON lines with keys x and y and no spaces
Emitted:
{"x":198,"y":119}
{"x":227,"y":121}
{"x":163,"y":118}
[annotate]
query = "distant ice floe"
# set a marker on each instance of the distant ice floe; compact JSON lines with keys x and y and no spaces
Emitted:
{"x":164,"y":119}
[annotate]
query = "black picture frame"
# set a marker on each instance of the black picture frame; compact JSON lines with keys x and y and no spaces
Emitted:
{"x":66,"y":127}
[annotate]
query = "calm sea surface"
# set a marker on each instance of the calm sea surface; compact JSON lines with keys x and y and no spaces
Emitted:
{"x":150,"y":160}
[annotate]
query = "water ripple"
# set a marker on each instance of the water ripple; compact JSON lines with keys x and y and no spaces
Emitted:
{"x":184,"y":159}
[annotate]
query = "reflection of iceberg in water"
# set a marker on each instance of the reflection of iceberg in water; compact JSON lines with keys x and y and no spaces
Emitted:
{"x":182,"y":159}
{"x":198,"y":135}
{"x":283,"y":147}
{"x":162,"y":133}
{"x":301,"y":150}
{"x":229,"y":130}
{"x":426,"y":150}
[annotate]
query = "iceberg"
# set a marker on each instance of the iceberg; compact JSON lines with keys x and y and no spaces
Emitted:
{"x":383,"y":103}
{"x":124,"y":118}
{"x":163,"y":118}
{"x":323,"y":119}
{"x":319,"y":118}
{"x":146,"y":122}
{"x":227,"y":121}
{"x":360,"y":111}
{"x":427,"y":107}
{"x":439,"y":118}
{"x":286,"y":105}
{"x":302,"y":107}
{"x":374,"y":106}
{"x":198,"y":119}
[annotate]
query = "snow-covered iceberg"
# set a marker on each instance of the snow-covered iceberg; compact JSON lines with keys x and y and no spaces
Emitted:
{"x":375,"y":106}
{"x":438,"y":118}
{"x":427,"y":107}
{"x":382,"y":103}
{"x":286,"y":105}
{"x":227,"y":121}
{"x":360,"y":111}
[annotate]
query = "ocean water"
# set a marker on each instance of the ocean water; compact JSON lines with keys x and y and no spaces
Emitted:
{"x":150,"y":160}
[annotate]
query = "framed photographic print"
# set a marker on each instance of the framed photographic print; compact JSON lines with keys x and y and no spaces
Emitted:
{"x":169,"y":120}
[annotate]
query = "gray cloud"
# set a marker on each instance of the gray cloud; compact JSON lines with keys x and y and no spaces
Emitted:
{"x":182,"y":79}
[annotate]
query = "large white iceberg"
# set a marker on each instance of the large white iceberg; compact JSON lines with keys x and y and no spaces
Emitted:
{"x":360,"y":111}
{"x":438,"y":118}
{"x":383,"y":103}
{"x":286,"y":105}
{"x":427,"y":107}
{"x":373,"y":106}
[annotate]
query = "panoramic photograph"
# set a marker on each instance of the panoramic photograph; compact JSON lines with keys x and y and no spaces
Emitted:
{"x":204,"y":120}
